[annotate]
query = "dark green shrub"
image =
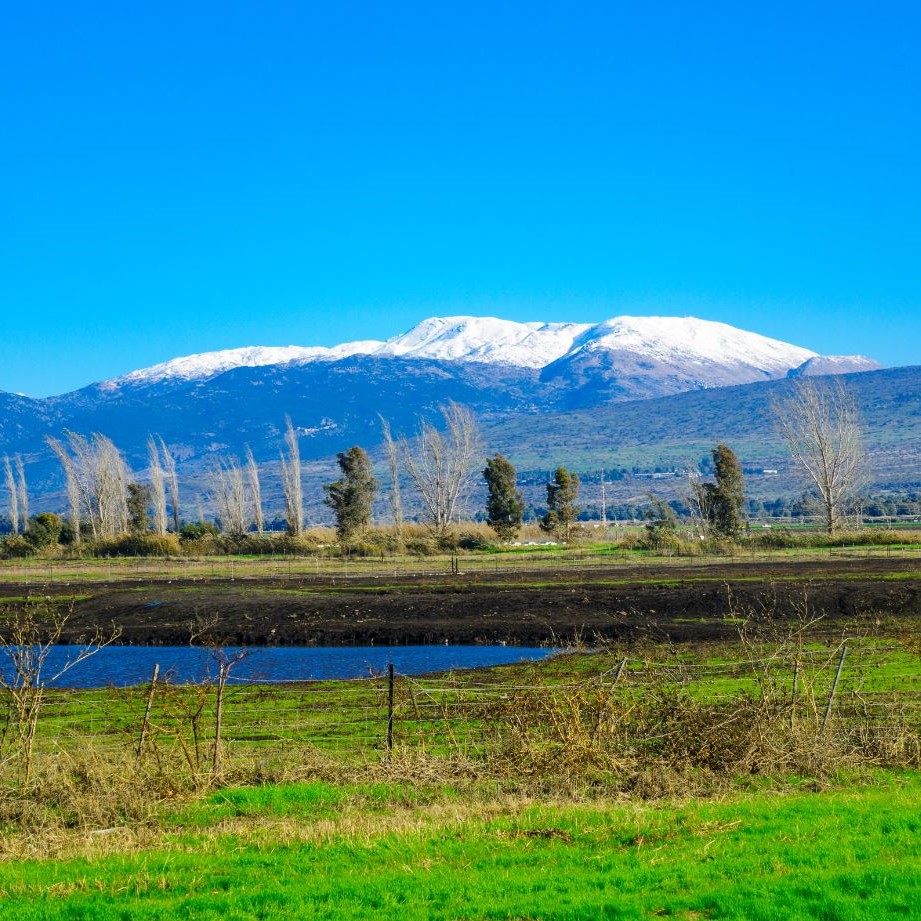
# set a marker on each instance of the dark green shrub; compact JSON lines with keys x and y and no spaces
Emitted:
{"x":467,"y":541}
{"x":44,"y":530}
{"x":199,"y":530}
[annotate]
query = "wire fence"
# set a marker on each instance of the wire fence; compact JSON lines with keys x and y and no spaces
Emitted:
{"x":855,"y":687}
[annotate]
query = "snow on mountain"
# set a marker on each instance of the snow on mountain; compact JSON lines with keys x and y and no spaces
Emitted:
{"x":486,"y":339}
{"x":686,"y":339}
{"x":834,"y":364}
{"x":210,"y":364}
{"x":674,"y":341}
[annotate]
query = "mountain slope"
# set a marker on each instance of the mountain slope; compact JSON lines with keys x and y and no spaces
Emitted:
{"x":670,"y":431}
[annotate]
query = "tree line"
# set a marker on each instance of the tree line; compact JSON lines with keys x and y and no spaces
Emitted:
{"x":104,"y":500}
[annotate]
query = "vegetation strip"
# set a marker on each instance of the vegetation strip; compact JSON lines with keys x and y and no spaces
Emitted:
{"x":327,"y":851}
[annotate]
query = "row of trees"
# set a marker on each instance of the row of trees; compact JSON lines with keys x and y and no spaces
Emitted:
{"x":819,"y":424}
{"x":105,"y":501}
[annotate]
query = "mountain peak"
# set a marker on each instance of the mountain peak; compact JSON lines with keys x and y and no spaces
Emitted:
{"x":691,"y":339}
{"x":486,"y":339}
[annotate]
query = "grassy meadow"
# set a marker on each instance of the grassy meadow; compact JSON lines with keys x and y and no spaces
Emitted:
{"x":622,"y":783}
{"x":329,"y":850}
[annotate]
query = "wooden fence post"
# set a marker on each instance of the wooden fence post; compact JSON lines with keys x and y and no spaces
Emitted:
{"x":834,"y":687}
{"x":390,"y":682}
{"x":145,"y":726}
{"x":218,"y":754}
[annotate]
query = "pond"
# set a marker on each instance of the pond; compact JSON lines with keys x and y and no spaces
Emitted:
{"x":123,"y":666}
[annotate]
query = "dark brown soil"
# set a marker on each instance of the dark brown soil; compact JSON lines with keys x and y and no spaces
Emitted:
{"x":687,"y":603}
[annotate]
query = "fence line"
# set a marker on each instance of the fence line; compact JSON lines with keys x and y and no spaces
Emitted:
{"x":871,"y":689}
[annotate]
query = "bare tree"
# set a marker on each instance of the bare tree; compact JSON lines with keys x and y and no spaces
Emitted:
{"x":13,"y":491}
{"x":821,"y":426}
{"x":84,"y":471}
{"x":255,"y":490}
{"x":440,"y":465}
{"x":697,"y":500}
{"x":172,"y":480}
{"x":112,"y":478}
{"x":23,"y":493}
{"x":157,"y":487}
{"x":74,"y":497}
{"x":291,"y":480}
{"x":28,"y":645}
{"x":229,"y":497}
{"x":97,"y":483}
{"x":393,"y":465}
{"x":226,"y":661}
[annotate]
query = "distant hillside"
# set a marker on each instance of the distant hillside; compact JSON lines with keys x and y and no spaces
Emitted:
{"x":335,"y":406}
{"x":670,"y":431}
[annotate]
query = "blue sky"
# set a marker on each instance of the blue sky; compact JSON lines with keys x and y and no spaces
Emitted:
{"x":184,"y":177}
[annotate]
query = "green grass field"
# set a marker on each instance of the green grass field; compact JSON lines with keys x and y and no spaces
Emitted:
{"x":321,"y":850}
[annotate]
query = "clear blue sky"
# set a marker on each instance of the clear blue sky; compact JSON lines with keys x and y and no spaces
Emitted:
{"x":181,"y":177}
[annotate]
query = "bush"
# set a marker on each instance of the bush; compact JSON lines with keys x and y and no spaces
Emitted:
{"x":419,"y":546}
{"x":377,"y":542}
{"x":138,"y":545}
{"x":245,"y":545}
{"x":782,"y":538}
{"x":297,"y":545}
{"x":199,"y":530}
{"x":16,"y":546}
{"x":719,"y":546}
{"x":468,"y":541}
{"x":361,"y":548}
{"x":775,"y":539}
{"x":660,"y":540}
{"x":44,"y":530}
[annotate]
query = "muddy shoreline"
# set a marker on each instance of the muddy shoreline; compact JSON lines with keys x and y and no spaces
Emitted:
{"x":617,"y":602}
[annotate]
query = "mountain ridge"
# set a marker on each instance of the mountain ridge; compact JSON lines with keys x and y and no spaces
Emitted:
{"x":490,"y":340}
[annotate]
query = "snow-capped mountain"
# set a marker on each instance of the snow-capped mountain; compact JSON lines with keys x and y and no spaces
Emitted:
{"x":701,"y":350}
